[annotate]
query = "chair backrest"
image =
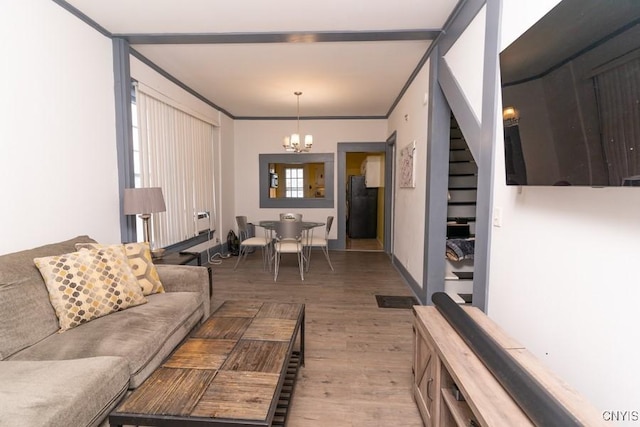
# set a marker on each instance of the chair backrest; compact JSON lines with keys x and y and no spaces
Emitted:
{"x":288,"y":230}
{"x":290,"y":217}
{"x":243,"y":227}
{"x":329,"y":224}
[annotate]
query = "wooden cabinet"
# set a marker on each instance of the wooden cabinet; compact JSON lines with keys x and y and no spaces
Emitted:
{"x":373,"y":171}
{"x":452,"y":387}
{"x":425,"y":369}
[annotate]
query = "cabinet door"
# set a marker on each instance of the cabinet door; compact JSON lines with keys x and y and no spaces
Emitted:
{"x":374,"y":175}
{"x":426,"y":367}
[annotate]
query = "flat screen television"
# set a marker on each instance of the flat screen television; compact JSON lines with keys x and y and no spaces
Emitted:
{"x":571,"y":97}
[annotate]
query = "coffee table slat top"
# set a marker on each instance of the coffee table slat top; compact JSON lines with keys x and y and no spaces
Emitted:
{"x":279,"y":311}
{"x":230,"y":369}
{"x":243,"y":395}
{"x":162,"y":393}
{"x":230,"y":328}
{"x":270,"y":329}
{"x":238,"y":309}
{"x":199,"y":353}
{"x":257,"y":356}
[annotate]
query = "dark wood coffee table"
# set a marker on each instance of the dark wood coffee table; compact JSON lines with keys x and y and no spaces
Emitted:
{"x":237,"y":369}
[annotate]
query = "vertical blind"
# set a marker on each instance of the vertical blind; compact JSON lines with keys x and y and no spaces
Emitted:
{"x":176,"y":154}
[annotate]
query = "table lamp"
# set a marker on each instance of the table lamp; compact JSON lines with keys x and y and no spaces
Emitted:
{"x":144,"y":202}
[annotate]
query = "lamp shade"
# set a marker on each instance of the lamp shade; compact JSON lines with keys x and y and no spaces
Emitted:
{"x":143,"y":201}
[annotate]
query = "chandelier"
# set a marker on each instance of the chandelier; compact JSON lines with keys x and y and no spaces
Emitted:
{"x":292,"y":142}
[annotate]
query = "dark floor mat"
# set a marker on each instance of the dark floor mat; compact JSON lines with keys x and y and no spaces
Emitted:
{"x":388,"y":301}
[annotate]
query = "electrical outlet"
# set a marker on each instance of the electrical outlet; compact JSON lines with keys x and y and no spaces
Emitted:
{"x":217,"y":240}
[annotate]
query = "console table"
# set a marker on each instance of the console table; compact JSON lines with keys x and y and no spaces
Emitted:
{"x":237,"y":369}
{"x":452,"y":386}
{"x":179,"y":258}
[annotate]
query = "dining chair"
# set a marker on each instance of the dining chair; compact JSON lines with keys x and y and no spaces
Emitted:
{"x":290,"y":217}
{"x":288,"y":239}
{"x":321,"y":242}
{"x":247,"y":242}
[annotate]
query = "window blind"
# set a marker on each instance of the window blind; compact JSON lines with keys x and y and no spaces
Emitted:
{"x":177,"y":154}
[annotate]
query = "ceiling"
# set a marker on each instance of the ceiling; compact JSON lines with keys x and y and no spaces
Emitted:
{"x":349,"y":58}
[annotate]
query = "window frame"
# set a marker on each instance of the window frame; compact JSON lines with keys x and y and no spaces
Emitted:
{"x":298,"y":179}
{"x":292,"y":158}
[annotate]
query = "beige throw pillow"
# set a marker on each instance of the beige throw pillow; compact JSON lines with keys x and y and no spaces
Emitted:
{"x":88,"y":284}
{"x":140,"y":261}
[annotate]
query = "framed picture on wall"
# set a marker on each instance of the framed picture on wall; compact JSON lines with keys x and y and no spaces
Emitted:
{"x":407,"y":166}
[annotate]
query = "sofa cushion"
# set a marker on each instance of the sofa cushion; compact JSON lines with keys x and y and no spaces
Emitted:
{"x":26,"y":315}
{"x":88,"y":284}
{"x":140,"y":261}
{"x":61,"y":393}
{"x":144,"y":335}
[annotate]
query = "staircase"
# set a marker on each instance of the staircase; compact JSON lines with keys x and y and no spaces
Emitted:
{"x":461,"y":213}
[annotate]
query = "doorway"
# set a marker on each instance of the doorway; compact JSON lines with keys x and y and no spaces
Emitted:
{"x":364,"y":207}
{"x":365,"y":201}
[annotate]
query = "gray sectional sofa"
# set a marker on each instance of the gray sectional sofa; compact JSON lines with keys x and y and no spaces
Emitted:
{"x":75,"y":378}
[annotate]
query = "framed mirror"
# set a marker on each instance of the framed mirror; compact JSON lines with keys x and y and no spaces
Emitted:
{"x":296,"y":180}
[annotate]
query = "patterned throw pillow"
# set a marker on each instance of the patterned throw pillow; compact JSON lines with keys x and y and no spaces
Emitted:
{"x":140,"y":261}
{"x":88,"y":284}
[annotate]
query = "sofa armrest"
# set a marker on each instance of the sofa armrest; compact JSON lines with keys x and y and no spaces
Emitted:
{"x":186,"y":278}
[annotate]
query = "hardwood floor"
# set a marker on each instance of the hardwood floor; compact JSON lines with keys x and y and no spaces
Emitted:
{"x":358,"y":356}
{"x":363,"y":245}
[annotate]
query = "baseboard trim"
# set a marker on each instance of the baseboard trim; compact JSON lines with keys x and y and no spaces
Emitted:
{"x":409,"y":280}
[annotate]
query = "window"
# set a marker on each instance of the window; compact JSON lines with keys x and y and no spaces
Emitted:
{"x":176,"y":153}
{"x":294,"y":183}
{"x":136,"y":161}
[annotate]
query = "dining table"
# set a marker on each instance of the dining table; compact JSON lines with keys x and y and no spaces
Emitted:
{"x":270,"y":224}
{"x":307,"y":226}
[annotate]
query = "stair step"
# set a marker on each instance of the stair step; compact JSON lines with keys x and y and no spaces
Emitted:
{"x":463,"y":196}
{"x":458,"y":286}
{"x":464,"y":275}
{"x":463,"y":168}
{"x":458,"y":218}
{"x":460,"y":156}
{"x":458,"y":143}
{"x":467,"y":298}
{"x":455,"y":297}
{"x":463,"y":188}
{"x":466,"y":180}
{"x":461,"y":211}
{"x":455,"y":133}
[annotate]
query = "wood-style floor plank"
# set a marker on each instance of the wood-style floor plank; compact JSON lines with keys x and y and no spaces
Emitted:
{"x":357,"y":356}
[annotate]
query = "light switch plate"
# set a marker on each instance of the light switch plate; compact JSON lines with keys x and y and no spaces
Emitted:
{"x":497,"y":217}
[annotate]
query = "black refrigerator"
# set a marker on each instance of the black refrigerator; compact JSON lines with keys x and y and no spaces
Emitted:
{"x":362,"y":209}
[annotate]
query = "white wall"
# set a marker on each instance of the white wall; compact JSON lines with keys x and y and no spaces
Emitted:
{"x":469,"y":48}
{"x":562,"y":271}
{"x":58,"y":170}
{"x":254,"y":137}
{"x":409,"y":120}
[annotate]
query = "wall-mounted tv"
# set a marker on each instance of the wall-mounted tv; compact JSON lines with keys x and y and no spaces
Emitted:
{"x":571,"y":97}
